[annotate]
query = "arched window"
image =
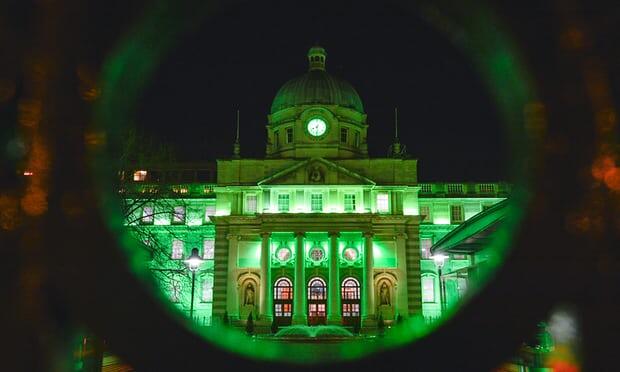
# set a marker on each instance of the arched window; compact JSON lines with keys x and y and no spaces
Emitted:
{"x":317,"y":290}
{"x":283,"y":301}
{"x":317,"y":301}
{"x":350,"y":292}
{"x":283,"y":289}
{"x":350,"y":289}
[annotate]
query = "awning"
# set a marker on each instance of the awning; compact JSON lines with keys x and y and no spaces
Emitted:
{"x":474,"y":234}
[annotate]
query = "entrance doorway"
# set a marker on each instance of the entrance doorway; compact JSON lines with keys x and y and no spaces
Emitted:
{"x":350,"y":291}
{"x":283,"y":301}
{"x":317,"y":301}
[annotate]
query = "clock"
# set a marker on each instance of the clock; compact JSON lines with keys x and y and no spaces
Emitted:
{"x":316,"y":127}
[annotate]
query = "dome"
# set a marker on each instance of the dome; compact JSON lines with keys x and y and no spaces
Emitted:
{"x":317,"y":87}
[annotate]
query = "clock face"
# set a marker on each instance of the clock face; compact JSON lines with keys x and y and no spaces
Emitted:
{"x":316,"y":127}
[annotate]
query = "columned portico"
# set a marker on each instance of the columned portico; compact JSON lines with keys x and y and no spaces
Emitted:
{"x":299,"y":298}
{"x":369,"y":287}
{"x":334,"y":313}
{"x":265,"y":279}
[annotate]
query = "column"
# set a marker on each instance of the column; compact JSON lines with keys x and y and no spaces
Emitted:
{"x":369,"y":285}
{"x":265,"y":278}
{"x":334,"y":315}
{"x":401,"y":307}
{"x":232,"y":294}
{"x":299,"y":296}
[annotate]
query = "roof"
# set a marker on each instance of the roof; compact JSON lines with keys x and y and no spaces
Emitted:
{"x":474,"y":234}
{"x":317,"y":87}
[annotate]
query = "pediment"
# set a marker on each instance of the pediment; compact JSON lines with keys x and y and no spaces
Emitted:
{"x":316,"y":171}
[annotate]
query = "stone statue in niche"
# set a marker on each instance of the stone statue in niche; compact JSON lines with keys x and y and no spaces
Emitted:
{"x":384,"y":294}
{"x":316,"y":175}
{"x":248,"y":296}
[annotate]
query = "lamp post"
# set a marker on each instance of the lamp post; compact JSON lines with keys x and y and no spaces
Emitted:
{"x":193,"y":262}
{"x":440,"y":260}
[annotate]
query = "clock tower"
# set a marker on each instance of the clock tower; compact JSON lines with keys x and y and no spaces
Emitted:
{"x":317,"y":115}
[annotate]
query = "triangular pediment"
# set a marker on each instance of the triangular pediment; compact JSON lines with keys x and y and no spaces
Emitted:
{"x":316,"y":171}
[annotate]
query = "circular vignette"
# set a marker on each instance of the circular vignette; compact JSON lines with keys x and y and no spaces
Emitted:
{"x":495,"y":56}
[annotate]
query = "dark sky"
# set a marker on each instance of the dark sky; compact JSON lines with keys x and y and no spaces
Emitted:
{"x":240,"y":57}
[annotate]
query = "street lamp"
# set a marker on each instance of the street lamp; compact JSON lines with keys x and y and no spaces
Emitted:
{"x":193,"y":262}
{"x":440,"y":260}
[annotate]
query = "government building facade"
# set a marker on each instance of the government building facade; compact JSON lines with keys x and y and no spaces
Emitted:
{"x":316,"y":232}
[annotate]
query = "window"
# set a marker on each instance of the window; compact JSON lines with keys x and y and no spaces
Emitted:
{"x":428,"y":289}
{"x":425,"y":212}
{"x":425,"y":248}
{"x":139,"y":175}
{"x":250,"y":203}
{"x":349,"y":202}
{"x":289,"y":135}
{"x":316,"y":202}
{"x":177,"y":249}
{"x":350,"y":254}
{"x":357,"y":139}
{"x":178,"y":216}
{"x":283,"y":254}
{"x":382,"y":203}
{"x":457,"y":256}
{"x":455,"y":188}
{"x":350,"y":289}
{"x":276,"y":138}
{"x":147,"y":215}
{"x":209,"y":211}
{"x":283,"y":202}
{"x":344,"y":134}
{"x":283,"y":298}
{"x":456,"y":214}
{"x":207,"y":289}
{"x":208,"y":249}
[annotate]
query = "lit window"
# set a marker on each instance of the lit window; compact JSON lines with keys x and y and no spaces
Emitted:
{"x":344,"y":135}
{"x":316,"y":202}
{"x":382,"y":203}
{"x":250,"y":203}
{"x":209,"y":212}
{"x":456,"y":214}
{"x":357,"y":139}
{"x":425,"y":248}
{"x":425,"y":213}
{"x":428,"y":289}
{"x":147,"y":215}
{"x":283,"y":202}
{"x":139,"y":175}
{"x":349,"y":202}
{"x":179,"y":215}
{"x":208,"y":249}
{"x":177,"y":249}
{"x":289,"y":135}
{"x":459,"y":256}
{"x":207,"y":289}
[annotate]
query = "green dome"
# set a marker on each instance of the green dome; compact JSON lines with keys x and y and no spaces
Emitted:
{"x":317,"y":87}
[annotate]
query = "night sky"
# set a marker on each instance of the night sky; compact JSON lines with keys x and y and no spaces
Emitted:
{"x":240,"y":57}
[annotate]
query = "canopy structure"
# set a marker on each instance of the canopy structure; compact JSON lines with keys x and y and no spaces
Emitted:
{"x":475,"y":234}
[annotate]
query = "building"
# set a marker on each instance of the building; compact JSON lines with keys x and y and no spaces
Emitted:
{"x":316,"y":232}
